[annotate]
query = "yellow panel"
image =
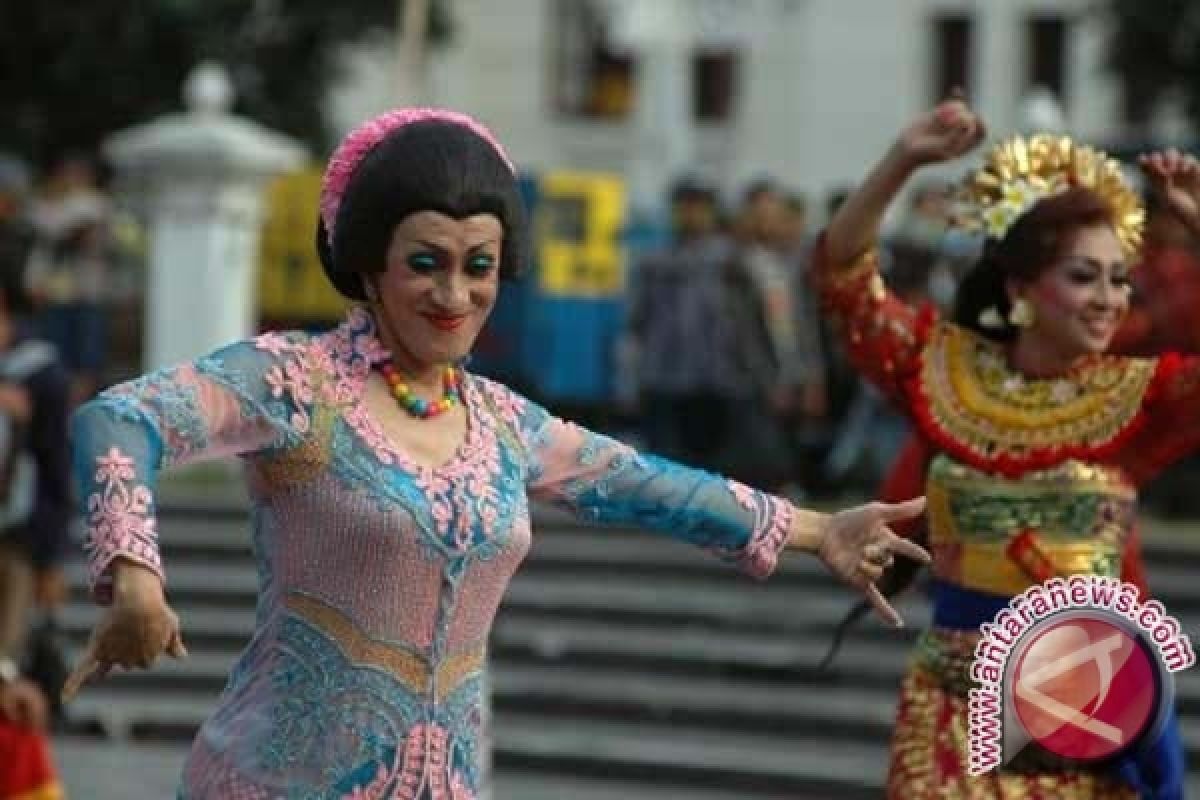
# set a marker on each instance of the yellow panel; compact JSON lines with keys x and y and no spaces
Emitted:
{"x":292,"y":285}
{"x":579,"y":251}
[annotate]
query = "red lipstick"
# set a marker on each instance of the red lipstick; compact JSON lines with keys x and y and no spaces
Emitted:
{"x":445,"y":323}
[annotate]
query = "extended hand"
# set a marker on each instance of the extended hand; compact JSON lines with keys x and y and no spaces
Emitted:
{"x":1176,"y":177}
{"x":857,"y":546}
{"x":943,"y":134}
{"x":23,"y":703}
{"x":136,"y":630}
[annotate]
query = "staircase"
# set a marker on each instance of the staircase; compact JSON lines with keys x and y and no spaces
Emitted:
{"x":623,"y":665}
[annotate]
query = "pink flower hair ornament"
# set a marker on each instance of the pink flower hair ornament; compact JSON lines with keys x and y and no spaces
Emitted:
{"x":360,"y":141}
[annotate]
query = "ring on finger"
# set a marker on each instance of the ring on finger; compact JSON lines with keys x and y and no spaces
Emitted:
{"x":877,"y":554}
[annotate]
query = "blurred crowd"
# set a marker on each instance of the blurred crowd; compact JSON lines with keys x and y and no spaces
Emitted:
{"x":733,"y":367}
{"x":736,"y":371}
{"x":59,"y":255}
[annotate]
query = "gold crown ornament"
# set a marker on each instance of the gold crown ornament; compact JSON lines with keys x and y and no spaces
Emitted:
{"x":1020,"y":171}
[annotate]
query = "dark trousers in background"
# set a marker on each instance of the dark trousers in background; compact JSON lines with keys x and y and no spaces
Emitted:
{"x":692,"y":427}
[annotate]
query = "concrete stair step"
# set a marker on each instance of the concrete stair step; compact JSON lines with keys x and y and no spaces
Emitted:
{"x":1169,"y":545}
{"x":582,"y":642}
{"x":668,"y":753}
{"x":677,"y":600}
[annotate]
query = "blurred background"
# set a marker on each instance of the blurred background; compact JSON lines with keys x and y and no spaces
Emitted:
{"x":159,"y":165}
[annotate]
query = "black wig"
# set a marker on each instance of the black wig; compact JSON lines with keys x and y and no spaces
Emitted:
{"x":431,"y":165}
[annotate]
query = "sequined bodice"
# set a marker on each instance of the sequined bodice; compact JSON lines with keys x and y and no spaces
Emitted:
{"x":1078,"y":515}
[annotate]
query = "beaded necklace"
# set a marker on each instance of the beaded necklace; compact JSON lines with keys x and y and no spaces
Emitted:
{"x":419,"y":407}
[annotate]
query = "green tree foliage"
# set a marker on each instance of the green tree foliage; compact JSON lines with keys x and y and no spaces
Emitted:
{"x":1155,"y":50}
{"x":73,"y":72}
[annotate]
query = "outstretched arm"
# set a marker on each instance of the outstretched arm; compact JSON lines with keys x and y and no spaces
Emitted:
{"x":600,"y":479}
{"x":238,"y":400}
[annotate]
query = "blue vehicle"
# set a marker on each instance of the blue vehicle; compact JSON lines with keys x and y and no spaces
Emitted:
{"x":554,"y":334}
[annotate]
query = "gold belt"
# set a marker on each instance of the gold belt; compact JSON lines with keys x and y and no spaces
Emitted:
{"x":412,"y":670}
{"x":946,"y":655}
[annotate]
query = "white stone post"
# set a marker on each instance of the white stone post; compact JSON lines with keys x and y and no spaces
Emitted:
{"x":662,"y":35}
{"x":200,"y":176}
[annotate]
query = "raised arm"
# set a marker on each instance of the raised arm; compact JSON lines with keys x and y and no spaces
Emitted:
{"x":883,"y":335}
{"x":943,"y":134}
{"x":1172,"y":424}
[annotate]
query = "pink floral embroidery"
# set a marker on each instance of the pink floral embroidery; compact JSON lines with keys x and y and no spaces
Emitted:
{"x":509,"y":405}
{"x":744,"y":494}
{"x":372,"y":435}
{"x":373,"y":790}
{"x":772,"y":525}
{"x":424,"y":764}
{"x":119,"y":519}
{"x":330,"y":369}
{"x":459,"y":789}
{"x":274,"y":343}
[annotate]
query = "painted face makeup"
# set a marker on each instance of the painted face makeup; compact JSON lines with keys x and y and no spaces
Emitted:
{"x":440,"y":285}
{"x":1081,"y":299}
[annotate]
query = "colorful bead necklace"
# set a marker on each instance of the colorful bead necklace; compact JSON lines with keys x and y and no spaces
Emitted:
{"x":419,"y":407}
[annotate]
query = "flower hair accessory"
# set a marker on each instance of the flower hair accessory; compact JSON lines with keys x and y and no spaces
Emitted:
{"x":1019,"y":172}
{"x":360,"y":141}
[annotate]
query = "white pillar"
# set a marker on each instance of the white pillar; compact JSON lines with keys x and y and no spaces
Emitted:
{"x":201,"y":175}
{"x":1000,"y":65}
{"x":662,"y":34}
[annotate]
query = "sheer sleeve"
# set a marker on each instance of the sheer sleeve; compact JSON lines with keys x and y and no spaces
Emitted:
{"x":239,"y":400}
{"x":600,"y":479}
{"x":883,"y":336}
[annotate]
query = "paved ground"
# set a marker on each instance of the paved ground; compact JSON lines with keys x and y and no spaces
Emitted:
{"x":97,"y":770}
{"x":101,"y":770}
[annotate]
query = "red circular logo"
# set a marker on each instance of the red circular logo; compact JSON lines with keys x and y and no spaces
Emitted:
{"x":1083,"y":687}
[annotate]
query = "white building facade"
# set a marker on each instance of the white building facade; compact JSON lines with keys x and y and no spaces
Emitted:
{"x":807,"y":91}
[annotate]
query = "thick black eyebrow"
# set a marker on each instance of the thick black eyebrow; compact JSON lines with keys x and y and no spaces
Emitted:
{"x":437,"y":248}
{"x":475,"y":248}
{"x":442,"y":251}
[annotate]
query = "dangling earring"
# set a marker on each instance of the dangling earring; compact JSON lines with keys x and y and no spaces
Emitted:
{"x":990,"y":318}
{"x":1021,"y":315}
{"x":369,"y":290}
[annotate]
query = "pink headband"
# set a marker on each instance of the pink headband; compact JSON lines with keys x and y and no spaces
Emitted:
{"x":361,"y":140}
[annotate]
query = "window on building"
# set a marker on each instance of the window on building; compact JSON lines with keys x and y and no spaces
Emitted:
{"x":592,"y":77}
{"x":1046,"y":40}
{"x":714,"y":85}
{"x":952,"y":54}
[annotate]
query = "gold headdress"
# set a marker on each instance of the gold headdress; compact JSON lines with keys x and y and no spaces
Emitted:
{"x":1022,"y":170}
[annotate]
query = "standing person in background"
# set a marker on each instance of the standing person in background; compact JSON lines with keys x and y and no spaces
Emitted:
{"x":72,"y":269}
{"x":34,"y":509}
{"x":775,"y":362}
{"x":681,"y":337}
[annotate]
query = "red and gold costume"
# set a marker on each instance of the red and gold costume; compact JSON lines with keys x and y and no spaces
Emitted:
{"x":26,"y":768}
{"x":1025,"y":479}
{"x":1018,"y":465}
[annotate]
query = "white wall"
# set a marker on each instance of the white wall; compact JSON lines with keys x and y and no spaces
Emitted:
{"x":826,"y":84}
